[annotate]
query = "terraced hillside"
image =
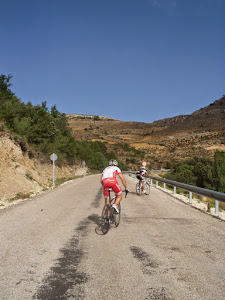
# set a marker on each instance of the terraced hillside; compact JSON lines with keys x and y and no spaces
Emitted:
{"x":180,"y":137}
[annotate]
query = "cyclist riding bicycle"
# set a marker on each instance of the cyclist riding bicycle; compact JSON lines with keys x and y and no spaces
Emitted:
{"x":108,"y":180}
{"x":140,"y":176}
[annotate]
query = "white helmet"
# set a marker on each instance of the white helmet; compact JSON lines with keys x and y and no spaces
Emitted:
{"x":113,"y":162}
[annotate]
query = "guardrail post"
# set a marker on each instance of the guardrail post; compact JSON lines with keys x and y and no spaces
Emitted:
{"x":190,"y":197}
{"x":217,"y":196}
{"x":151,"y":182}
{"x":164,"y":185}
{"x":217,"y":208}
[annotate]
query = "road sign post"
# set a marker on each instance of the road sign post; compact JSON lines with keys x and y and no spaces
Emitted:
{"x":53,"y":157}
{"x":83,"y":164}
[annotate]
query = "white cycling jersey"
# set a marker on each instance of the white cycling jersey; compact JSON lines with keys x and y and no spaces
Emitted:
{"x":142,"y":172}
{"x":110,"y":172}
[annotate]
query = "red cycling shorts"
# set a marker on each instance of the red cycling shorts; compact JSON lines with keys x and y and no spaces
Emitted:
{"x":113,"y":184}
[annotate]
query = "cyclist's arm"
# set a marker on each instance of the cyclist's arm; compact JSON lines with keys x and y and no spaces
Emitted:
{"x":123,"y":180}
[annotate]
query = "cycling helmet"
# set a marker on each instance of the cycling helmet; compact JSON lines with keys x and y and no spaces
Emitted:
{"x":113,"y":162}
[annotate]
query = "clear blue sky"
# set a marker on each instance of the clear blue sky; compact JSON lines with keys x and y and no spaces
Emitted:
{"x":132,"y":60}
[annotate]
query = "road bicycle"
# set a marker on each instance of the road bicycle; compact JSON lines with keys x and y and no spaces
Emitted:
{"x":109,"y":216}
{"x":139,"y":188}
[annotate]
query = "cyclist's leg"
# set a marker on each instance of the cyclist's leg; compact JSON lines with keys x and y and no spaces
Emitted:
{"x":106,"y":191}
{"x":106,"y":200}
{"x":143,"y":184}
{"x":118,"y":191}
{"x":118,"y":199}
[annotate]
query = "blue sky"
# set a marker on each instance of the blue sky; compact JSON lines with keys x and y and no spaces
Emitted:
{"x":132,"y":60}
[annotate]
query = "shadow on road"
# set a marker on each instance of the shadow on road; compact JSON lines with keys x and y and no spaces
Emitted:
{"x":97,"y":220}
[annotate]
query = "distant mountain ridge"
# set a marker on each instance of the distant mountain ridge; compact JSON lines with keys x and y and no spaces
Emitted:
{"x":82,"y":116}
{"x":211,"y":117}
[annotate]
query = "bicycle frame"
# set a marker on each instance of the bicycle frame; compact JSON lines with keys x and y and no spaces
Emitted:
{"x":111,"y":199}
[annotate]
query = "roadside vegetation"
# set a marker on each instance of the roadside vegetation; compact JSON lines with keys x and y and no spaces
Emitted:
{"x":44,"y":131}
{"x":202,"y":172}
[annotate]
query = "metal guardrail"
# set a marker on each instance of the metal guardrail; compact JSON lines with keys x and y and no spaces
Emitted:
{"x":217,"y":196}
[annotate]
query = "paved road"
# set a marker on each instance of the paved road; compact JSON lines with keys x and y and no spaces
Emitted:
{"x":51,"y":248}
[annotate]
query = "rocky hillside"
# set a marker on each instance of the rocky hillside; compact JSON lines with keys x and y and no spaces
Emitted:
{"x":180,"y":137}
{"x":208,"y":119}
{"x":22,"y":176}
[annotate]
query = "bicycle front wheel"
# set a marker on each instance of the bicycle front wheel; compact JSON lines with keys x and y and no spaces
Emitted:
{"x":116,"y":216}
{"x":105,"y":218}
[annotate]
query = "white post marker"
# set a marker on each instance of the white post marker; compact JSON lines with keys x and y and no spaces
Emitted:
{"x":83,"y":164}
{"x":53,"y":157}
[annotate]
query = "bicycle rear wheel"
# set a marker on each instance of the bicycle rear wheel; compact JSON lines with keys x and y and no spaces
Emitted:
{"x":105,"y":218}
{"x":116,"y":216}
{"x":138,"y":189}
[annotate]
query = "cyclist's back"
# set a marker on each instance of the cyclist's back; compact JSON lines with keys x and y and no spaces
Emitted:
{"x":141,"y":173}
{"x":110,"y":172}
{"x":108,"y":180}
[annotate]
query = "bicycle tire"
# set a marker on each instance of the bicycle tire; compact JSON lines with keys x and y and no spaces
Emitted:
{"x":105,"y":219}
{"x":116,"y":216}
{"x":138,"y":189}
{"x":147,"y":188}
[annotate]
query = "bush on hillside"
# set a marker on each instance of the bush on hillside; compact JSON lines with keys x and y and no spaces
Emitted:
{"x":202,"y":172}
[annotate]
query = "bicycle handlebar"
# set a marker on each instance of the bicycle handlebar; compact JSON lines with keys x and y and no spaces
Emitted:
{"x":126,"y":192}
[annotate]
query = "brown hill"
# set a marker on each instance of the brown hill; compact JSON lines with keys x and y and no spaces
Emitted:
{"x":22,"y":177}
{"x":200,"y":133}
{"x":209,"y":118}
{"x":180,"y":137}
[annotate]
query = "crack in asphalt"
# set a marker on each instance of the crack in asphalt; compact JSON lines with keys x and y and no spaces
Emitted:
{"x":158,"y":294}
{"x":98,"y":199}
{"x":65,"y":274}
{"x":148,"y":267}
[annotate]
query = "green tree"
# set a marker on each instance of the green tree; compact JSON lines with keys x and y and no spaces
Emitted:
{"x":219,"y":171}
{"x":184,"y":174}
{"x":97,"y":161}
{"x":46,"y":131}
{"x":5,"y":92}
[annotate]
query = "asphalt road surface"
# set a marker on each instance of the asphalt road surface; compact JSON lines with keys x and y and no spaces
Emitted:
{"x":52,"y":248}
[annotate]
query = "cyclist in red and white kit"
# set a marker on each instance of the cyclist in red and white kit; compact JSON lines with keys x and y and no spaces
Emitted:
{"x":108,"y":180}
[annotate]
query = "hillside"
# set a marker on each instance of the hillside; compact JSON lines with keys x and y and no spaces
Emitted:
{"x":180,"y":137}
{"x":22,"y":176}
{"x":201,"y":133}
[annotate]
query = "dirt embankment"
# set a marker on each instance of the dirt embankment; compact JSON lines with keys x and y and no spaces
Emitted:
{"x":21,"y":176}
